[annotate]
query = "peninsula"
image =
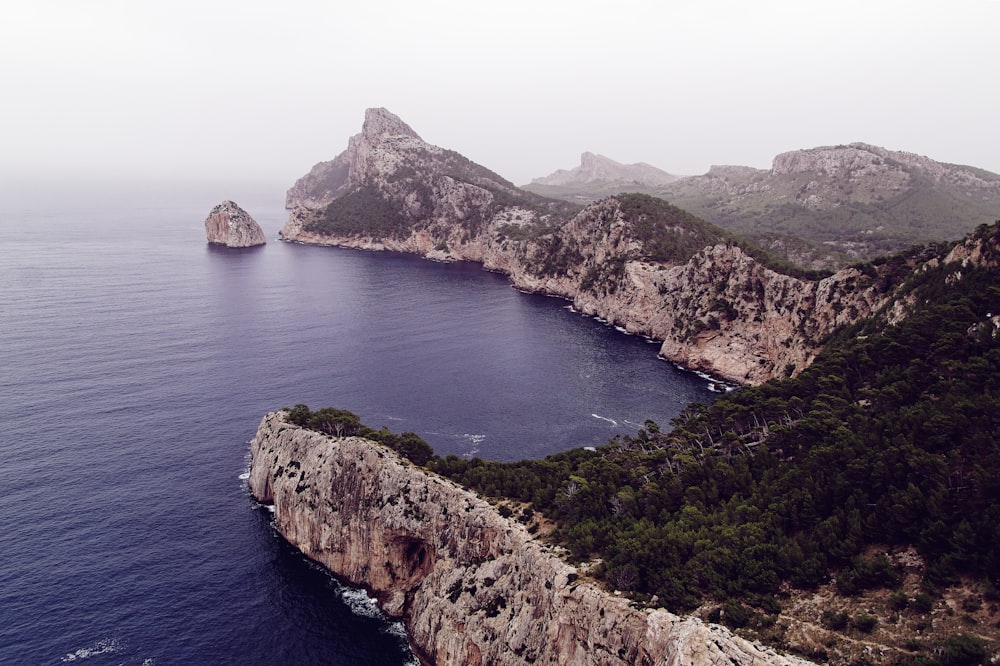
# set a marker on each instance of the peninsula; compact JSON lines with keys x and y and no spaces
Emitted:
{"x":471,"y":586}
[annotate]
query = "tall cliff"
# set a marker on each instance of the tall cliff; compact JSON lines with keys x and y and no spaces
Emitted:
{"x":471,"y":586}
{"x":631,"y":259}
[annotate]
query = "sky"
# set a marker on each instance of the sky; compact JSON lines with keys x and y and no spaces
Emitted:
{"x":218,"y":90}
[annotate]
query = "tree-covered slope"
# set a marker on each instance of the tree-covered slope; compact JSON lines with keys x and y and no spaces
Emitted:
{"x":889,"y":441}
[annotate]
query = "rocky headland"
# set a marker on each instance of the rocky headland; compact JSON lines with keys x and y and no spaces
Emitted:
{"x":228,"y":224}
{"x":471,"y":586}
{"x":716,"y":305}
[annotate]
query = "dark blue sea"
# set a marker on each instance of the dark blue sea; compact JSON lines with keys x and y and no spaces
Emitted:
{"x":136,"y":362}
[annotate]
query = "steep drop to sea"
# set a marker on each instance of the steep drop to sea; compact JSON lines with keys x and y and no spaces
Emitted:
{"x":471,"y":586}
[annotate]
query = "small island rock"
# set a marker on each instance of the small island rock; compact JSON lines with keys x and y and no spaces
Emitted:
{"x":228,"y":224}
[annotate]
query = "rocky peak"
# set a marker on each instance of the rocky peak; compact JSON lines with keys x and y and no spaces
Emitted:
{"x":228,"y":224}
{"x":600,"y":169}
{"x":379,"y":123}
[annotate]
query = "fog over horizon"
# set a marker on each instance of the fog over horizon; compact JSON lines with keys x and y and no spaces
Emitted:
{"x":255,"y":92}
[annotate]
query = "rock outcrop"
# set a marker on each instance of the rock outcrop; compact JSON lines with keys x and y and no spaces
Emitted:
{"x":228,"y":224}
{"x":471,"y":586}
{"x":600,"y":171}
{"x":716,"y":308}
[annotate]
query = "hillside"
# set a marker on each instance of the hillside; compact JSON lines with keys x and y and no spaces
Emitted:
{"x":843,"y":504}
{"x":850,"y":514}
{"x":717,"y":303}
{"x":854,"y":505}
{"x":829,"y":206}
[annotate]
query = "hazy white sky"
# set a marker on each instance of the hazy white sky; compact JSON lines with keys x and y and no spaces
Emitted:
{"x":263,"y":90}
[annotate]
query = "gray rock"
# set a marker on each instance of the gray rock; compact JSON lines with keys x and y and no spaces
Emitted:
{"x":228,"y":224}
{"x":471,"y":586}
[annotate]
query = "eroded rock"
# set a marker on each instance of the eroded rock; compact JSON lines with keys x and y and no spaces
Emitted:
{"x":471,"y":586}
{"x":228,"y":224}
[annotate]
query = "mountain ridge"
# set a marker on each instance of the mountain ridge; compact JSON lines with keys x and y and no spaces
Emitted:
{"x":852,"y":202}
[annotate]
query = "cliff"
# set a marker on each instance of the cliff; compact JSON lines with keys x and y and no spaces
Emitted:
{"x":632,"y":260}
{"x":471,"y":586}
{"x":228,"y":224}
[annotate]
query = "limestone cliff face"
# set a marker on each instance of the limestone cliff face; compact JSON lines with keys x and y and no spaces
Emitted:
{"x":471,"y":586}
{"x":719,"y":311}
{"x":228,"y":224}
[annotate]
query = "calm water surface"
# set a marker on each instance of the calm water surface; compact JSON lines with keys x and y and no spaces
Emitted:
{"x":136,"y":363}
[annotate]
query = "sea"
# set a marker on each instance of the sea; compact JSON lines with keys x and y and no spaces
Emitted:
{"x":136,"y":362}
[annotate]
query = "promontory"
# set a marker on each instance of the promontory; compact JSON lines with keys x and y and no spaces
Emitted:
{"x":471,"y":586}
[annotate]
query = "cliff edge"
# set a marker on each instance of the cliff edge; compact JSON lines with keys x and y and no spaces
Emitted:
{"x":471,"y":586}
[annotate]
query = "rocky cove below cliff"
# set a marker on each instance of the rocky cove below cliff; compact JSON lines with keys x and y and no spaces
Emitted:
{"x":722,"y":312}
{"x":471,"y":586}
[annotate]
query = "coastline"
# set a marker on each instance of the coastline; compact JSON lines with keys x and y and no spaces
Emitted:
{"x":471,"y":586}
{"x":717,"y":383}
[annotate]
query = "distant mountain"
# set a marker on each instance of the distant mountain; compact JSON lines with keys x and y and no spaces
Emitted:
{"x":854,"y":202}
{"x":599,"y":176}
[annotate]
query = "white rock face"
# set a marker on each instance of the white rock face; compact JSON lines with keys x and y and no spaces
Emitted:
{"x":228,"y":224}
{"x":471,"y":586}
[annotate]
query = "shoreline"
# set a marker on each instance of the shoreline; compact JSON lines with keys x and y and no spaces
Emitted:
{"x":713,"y":380}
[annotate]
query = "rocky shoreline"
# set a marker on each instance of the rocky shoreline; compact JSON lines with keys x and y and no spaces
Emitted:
{"x":471,"y":586}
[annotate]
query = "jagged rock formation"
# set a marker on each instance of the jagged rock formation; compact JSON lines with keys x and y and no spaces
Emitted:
{"x":472,"y":586}
{"x":598,"y":177}
{"x":228,"y":224}
{"x":632,"y":260}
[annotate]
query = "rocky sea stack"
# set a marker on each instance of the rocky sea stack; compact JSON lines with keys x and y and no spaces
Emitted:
{"x":228,"y":224}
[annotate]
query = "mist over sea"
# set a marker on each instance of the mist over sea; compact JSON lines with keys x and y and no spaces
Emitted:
{"x":136,"y":362}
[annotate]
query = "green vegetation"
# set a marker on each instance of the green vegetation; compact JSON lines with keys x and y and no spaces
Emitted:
{"x":924,"y":211}
{"x":672,"y":235}
{"x":889,"y":440}
{"x":342,"y":423}
{"x":362,"y":212}
{"x":668,"y":234}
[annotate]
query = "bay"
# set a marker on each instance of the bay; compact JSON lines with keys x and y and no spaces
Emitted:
{"x":137,"y":362}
